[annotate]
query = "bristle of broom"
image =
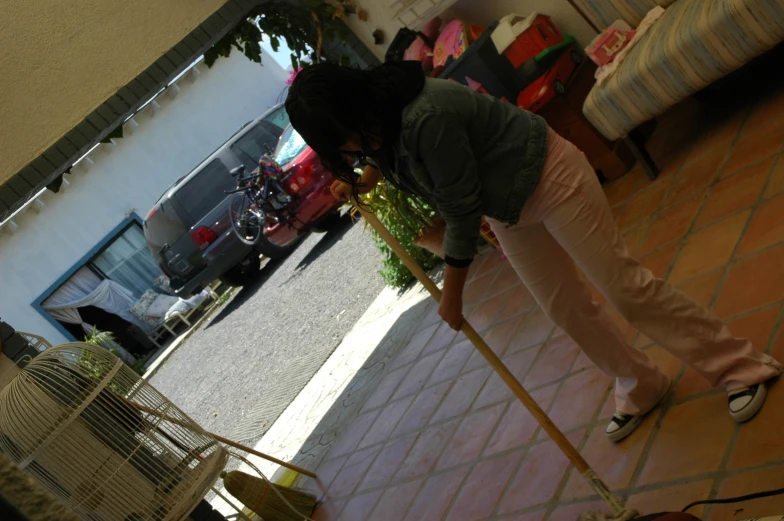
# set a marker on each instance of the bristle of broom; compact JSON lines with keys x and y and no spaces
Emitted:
{"x":256,"y":494}
{"x":626,"y":515}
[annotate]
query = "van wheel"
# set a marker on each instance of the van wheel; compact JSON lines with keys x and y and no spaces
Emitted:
{"x":241,"y":274}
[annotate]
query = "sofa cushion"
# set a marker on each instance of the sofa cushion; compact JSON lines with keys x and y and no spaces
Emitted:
{"x":604,"y":12}
{"x":161,"y":305}
{"x":140,"y":306}
{"x":695,"y":43}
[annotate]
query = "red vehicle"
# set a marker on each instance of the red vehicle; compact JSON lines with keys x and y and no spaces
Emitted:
{"x":291,"y":195}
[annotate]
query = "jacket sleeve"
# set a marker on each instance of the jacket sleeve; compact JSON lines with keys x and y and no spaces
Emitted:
{"x":444,"y":148}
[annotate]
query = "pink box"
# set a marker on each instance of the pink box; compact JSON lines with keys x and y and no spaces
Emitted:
{"x":607,"y":45}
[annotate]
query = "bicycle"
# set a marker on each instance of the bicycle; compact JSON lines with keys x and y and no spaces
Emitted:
{"x":257,"y":201}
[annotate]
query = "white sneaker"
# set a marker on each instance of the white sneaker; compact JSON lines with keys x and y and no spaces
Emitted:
{"x":745,"y":403}
{"x":622,"y":425}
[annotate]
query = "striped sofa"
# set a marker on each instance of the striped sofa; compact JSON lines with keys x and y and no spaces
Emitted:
{"x":695,"y":43}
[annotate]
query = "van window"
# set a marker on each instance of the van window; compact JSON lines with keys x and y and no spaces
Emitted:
{"x":203,"y":192}
{"x":163,"y":227}
{"x":279,"y":117}
{"x":253,"y":144}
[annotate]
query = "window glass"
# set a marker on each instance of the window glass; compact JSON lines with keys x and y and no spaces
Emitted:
{"x":203,"y":192}
{"x":253,"y":144}
{"x":279,"y":117}
{"x":290,"y":146}
{"x":128,"y":262}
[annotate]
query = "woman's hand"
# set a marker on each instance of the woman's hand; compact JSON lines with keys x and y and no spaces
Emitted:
{"x":451,"y":309}
{"x":370,"y":178}
{"x":341,"y":191}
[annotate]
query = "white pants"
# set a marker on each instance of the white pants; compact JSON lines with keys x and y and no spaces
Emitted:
{"x":568,"y":220}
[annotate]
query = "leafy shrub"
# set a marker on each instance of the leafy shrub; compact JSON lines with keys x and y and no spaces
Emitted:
{"x":405,"y":216}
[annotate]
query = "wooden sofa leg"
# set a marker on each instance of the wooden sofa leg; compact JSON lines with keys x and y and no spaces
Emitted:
{"x":636,"y":145}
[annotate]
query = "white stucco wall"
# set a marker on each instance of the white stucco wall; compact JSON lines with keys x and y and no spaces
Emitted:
{"x":128,"y":177}
{"x":471,"y":11}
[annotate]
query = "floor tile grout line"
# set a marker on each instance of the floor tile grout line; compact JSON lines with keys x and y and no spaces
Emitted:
{"x":419,"y":355}
{"x":665,"y":407}
{"x":734,"y":258}
{"x":625,"y":493}
{"x":524,"y":449}
{"x":595,"y":421}
{"x":708,"y":190}
{"x":357,"y":414}
{"x":379,"y":448}
{"x":535,"y":435}
{"x":775,"y":331}
{"x":686,"y":161}
{"x":628,"y":492}
{"x":394,"y":368}
{"x":673,"y":401}
{"x":441,"y":353}
{"x":638,"y":188}
{"x":481,"y":452}
{"x":731,"y":444}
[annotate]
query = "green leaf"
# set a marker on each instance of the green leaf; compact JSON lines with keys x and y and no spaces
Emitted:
{"x":275,"y":43}
{"x":210,"y":56}
{"x":294,"y":62}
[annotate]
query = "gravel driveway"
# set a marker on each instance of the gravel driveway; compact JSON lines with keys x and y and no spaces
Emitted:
{"x":239,"y":371}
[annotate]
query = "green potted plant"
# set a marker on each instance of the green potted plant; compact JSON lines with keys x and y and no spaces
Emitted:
{"x":416,"y":225}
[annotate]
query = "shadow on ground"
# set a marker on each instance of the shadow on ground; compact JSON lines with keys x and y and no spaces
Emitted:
{"x":348,"y":405}
{"x":247,"y":291}
{"x":328,"y":239}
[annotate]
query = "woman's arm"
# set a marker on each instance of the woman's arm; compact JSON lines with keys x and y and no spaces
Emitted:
{"x":451,"y":306}
{"x":449,"y":160}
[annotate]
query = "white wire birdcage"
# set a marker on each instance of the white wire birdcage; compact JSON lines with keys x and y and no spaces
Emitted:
{"x":105,"y":441}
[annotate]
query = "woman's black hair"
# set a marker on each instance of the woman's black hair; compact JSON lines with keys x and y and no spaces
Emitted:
{"x":328,"y":102}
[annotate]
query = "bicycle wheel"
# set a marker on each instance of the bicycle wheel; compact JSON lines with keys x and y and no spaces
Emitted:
{"x":247,"y":220}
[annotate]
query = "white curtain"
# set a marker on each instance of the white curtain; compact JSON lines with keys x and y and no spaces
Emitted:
{"x":128,"y":262}
{"x":81,"y":284}
{"x":85,"y":288}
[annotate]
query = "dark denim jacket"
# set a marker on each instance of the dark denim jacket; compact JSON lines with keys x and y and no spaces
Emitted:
{"x":470,"y":155}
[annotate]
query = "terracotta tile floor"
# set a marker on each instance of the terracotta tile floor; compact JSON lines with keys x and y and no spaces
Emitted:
{"x":442,"y":438}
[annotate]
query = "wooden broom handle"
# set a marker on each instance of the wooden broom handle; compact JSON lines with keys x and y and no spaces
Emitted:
{"x":495,"y":362}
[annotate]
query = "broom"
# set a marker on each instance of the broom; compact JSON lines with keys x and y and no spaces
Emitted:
{"x":258,"y":495}
{"x":506,"y":375}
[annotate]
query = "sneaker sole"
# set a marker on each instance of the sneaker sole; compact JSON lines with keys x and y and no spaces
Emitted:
{"x":753,"y":406}
{"x":625,"y":431}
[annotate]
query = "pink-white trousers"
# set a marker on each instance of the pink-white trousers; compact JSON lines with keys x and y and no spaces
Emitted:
{"x":566,"y":221}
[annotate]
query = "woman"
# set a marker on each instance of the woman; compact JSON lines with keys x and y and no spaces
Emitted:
{"x":471,"y":155}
